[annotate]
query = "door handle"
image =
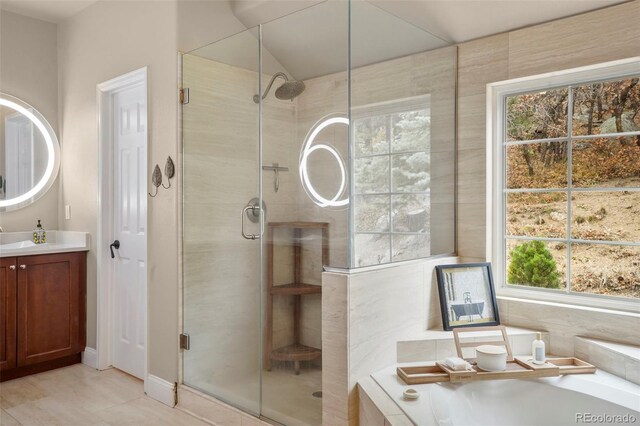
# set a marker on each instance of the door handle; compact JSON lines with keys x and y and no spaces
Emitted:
{"x":23,"y":266}
{"x":243,"y":213}
{"x":114,"y":245}
{"x":12,"y":267}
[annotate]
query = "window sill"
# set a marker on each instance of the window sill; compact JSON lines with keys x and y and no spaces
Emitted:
{"x":586,"y":302}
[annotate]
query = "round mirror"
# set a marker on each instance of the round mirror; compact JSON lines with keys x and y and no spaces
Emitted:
{"x":29,"y":154}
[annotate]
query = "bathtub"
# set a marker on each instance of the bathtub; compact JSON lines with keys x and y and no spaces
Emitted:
{"x":599,"y":398}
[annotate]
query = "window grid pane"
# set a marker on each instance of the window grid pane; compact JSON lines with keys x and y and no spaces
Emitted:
{"x":404,"y":136}
{"x":619,"y":156}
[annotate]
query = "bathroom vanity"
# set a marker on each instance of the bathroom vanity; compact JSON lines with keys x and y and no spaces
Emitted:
{"x":43,"y":304}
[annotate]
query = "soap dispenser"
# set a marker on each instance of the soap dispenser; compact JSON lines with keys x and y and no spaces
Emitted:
{"x":538,"y":350}
{"x":39,"y":234}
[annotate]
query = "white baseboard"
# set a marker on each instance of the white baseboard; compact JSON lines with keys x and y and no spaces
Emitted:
{"x":90,"y":357}
{"x":160,"y":390}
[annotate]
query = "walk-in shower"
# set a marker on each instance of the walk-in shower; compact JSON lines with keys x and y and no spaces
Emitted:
{"x":348,"y":163}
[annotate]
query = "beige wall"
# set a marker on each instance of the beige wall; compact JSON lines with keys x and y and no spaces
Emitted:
{"x":29,"y":71}
{"x":102,"y":42}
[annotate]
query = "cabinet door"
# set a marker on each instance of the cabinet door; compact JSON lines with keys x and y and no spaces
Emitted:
{"x":51,"y":306}
{"x":7,"y":313}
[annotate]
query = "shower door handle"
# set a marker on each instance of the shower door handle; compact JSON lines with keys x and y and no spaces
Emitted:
{"x":243,"y":213}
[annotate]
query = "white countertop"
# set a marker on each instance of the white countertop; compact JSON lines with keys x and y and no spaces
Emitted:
{"x":20,"y":244}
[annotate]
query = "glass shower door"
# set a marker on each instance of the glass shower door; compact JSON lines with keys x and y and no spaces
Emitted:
{"x":221,"y":253}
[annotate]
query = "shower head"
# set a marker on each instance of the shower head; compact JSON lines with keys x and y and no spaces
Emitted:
{"x":290,"y":90}
{"x":287,"y":91}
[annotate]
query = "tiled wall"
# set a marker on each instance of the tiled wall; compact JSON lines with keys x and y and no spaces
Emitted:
{"x":563,"y":322}
{"x":364,"y":315}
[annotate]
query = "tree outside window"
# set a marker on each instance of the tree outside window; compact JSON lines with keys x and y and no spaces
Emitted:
{"x":392,"y":181}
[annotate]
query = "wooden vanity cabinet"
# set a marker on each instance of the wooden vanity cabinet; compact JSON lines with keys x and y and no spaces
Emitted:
{"x":8,"y":305}
{"x":44,"y":312}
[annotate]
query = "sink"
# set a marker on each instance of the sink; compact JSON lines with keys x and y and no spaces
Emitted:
{"x":20,"y":245}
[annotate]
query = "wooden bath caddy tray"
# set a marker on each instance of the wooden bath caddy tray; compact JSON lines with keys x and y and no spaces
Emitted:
{"x":519,"y":367}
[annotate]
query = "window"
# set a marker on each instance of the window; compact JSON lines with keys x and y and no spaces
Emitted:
{"x":391,"y":181}
{"x":567,"y":181}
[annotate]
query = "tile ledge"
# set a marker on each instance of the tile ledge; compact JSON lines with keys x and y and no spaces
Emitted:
{"x":616,"y":307}
{"x":448,"y":335}
{"x":628,"y":351}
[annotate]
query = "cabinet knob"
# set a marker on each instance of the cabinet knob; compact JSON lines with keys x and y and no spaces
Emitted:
{"x":12,"y":267}
{"x":23,"y":266}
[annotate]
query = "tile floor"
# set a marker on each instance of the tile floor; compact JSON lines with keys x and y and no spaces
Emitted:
{"x":289,"y":399}
{"x":81,"y":396}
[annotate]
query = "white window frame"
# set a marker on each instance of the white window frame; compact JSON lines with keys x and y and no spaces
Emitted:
{"x":420,"y":102}
{"x":496,"y":174}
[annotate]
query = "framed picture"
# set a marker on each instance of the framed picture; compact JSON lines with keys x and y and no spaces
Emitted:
{"x":467,"y":296}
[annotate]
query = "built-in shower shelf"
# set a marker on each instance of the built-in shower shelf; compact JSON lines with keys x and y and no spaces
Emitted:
{"x":296,"y":289}
{"x":296,"y":352}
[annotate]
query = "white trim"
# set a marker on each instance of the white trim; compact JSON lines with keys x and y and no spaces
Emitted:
{"x":496,"y":92}
{"x":105,"y":190}
{"x":90,"y":357}
{"x":558,"y":298}
{"x":160,"y":390}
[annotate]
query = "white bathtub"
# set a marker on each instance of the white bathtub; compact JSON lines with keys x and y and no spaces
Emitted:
{"x":531,"y":402}
{"x":599,"y":398}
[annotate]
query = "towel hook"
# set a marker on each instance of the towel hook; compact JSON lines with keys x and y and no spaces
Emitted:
{"x":156,"y":179}
{"x":169,"y":171}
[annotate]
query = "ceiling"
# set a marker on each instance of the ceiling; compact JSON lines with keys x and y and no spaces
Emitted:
{"x":452,"y":20}
{"x":307,"y":38}
{"x":46,"y":10}
{"x":463,"y":20}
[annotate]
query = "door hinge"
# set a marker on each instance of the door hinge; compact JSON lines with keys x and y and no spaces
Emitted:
{"x":185,"y":341}
{"x":184,"y":96}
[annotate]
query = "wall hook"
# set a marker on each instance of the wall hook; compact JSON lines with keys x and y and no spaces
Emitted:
{"x":156,"y":179}
{"x":169,"y":171}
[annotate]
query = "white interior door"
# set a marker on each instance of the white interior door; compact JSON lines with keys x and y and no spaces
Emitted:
{"x":130,"y":229}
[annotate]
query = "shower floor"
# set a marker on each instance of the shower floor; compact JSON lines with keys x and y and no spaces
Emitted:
{"x":289,"y":399}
